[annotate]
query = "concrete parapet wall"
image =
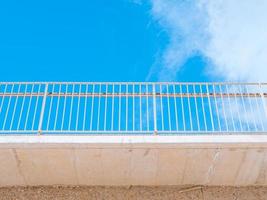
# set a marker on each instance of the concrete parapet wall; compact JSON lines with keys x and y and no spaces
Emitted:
{"x":133,"y":160}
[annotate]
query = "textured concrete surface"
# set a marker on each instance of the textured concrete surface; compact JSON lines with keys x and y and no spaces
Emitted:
{"x":130,"y":163}
{"x":142,"y":193}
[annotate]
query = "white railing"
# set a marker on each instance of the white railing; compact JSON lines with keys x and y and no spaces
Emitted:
{"x":132,"y":108}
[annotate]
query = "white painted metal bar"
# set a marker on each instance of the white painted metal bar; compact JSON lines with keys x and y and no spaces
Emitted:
{"x":28,"y":110}
{"x":238,"y":112}
{"x":78,"y":108}
{"x":126,"y":120}
{"x":216,"y":108}
{"x":92,"y":109}
{"x":230,"y":108}
{"x":58,"y":101}
{"x":43,"y":110}
{"x":7,"y":111}
{"x":50,"y":108}
{"x":182,"y":104}
{"x":259,"y":111}
{"x":168,"y":107}
{"x":64,"y":108}
{"x":175,"y":109}
{"x":119,"y":121}
{"x":14,"y":109}
{"x":244,"y":108}
{"x":3,"y":97}
{"x":133,"y":108}
{"x":210,"y":109}
{"x":161,"y":109}
{"x":35,"y":107}
{"x":204,"y":111}
{"x":196,"y":107}
{"x":223,"y":108}
{"x":22,"y":108}
{"x":189,"y":109}
{"x":140,"y":108}
{"x":112,"y":111}
{"x":147,"y":110}
{"x":155,"y":109}
{"x":263,"y":99}
{"x":251,"y":111}
{"x":71,"y":106}
{"x":98,"y":108}
{"x":85,"y":107}
{"x":105,"y":113}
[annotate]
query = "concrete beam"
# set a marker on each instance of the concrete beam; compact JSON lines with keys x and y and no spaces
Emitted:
{"x":133,"y":160}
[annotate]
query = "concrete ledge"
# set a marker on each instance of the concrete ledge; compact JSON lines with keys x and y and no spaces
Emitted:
{"x":81,"y":141}
{"x":234,"y":160}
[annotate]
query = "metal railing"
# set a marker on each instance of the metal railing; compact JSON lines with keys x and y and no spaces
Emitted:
{"x":132,"y":108}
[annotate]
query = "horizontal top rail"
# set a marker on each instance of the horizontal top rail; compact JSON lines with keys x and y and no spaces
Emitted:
{"x":103,"y":94}
{"x":136,"y":83}
{"x":132,"y":108}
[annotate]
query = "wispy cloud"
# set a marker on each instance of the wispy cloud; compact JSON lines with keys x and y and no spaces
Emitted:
{"x":231,"y":35}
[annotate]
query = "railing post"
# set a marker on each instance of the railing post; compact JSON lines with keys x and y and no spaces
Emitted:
{"x":155,"y":110}
{"x":42,"y":110}
{"x":263,"y":100}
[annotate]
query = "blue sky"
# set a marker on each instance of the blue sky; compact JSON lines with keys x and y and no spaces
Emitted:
{"x":83,"y":41}
{"x":133,"y":40}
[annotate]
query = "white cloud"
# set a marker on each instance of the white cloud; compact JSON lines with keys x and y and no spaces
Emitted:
{"x":231,"y":34}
